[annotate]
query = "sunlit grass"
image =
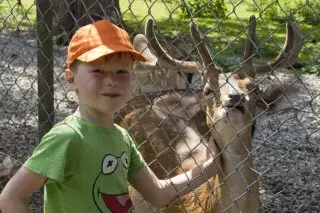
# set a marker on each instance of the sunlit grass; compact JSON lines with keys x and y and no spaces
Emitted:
{"x":16,"y":16}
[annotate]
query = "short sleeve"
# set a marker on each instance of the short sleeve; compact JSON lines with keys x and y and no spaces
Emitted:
{"x":56,"y":155}
{"x":136,"y":160}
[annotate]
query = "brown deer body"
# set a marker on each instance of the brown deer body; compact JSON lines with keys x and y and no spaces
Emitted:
{"x":177,"y":131}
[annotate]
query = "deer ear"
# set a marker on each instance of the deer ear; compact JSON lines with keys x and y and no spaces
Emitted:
{"x":276,"y":96}
{"x":140,"y":44}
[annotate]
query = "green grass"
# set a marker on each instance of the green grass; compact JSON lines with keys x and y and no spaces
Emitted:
{"x":14,"y":16}
{"x":170,"y":23}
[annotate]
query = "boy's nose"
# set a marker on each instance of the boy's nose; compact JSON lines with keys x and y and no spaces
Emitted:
{"x":111,"y":80}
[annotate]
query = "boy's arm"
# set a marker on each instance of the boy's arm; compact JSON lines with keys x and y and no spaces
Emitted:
{"x":162,"y":192}
{"x":15,"y":195}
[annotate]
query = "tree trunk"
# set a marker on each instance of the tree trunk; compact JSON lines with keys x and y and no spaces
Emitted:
{"x":71,"y":14}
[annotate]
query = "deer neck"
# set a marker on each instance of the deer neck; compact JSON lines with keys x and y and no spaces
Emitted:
{"x":236,"y":152}
{"x":237,"y":173}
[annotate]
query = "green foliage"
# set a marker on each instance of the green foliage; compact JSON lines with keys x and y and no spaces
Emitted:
{"x":299,"y":10}
{"x":62,"y":39}
{"x":309,"y":12}
{"x":17,"y":14}
{"x":270,"y":9}
{"x":312,"y":70}
{"x":204,"y":8}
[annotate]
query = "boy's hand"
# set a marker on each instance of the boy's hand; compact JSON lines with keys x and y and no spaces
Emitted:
{"x":14,"y":197}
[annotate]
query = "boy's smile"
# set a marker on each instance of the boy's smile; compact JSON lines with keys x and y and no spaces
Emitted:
{"x":111,"y":95}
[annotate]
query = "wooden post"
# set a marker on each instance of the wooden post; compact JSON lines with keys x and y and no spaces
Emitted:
{"x":45,"y":66}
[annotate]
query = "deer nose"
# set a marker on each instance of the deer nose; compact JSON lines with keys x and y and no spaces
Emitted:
{"x":236,"y":98}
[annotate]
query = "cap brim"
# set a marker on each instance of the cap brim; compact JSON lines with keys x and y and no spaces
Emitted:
{"x":102,"y":50}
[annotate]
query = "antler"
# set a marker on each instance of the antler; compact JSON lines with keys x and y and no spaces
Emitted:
{"x":166,"y":59}
{"x":211,"y":69}
{"x":251,"y":36}
{"x":287,"y":57}
{"x":249,"y":47}
{"x":290,"y":50}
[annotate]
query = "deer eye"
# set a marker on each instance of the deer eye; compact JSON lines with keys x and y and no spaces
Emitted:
{"x":207,"y":92}
{"x":249,"y":86}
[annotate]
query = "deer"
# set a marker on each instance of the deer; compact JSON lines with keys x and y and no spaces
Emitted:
{"x":178,"y":130}
{"x":156,"y":75}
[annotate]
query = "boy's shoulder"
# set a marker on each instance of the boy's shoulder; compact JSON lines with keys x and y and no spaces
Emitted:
{"x":62,"y":128}
{"x":121,"y":129}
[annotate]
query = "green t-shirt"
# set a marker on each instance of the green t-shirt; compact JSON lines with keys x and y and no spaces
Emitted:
{"x":87,"y":167}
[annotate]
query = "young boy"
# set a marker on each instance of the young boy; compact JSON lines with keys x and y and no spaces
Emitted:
{"x":85,"y":161}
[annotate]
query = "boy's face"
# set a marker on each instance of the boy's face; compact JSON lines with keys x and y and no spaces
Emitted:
{"x":103,"y":85}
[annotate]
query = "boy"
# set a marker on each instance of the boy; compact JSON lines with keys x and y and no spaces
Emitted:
{"x":85,"y":161}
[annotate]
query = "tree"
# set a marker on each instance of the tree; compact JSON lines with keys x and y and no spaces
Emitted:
{"x":71,"y":14}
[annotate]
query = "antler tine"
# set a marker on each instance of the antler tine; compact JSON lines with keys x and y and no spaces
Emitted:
{"x":290,"y":51}
{"x":298,"y":43}
{"x":251,"y":37}
{"x":170,"y":62}
{"x":205,"y":55}
{"x":249,"y":47}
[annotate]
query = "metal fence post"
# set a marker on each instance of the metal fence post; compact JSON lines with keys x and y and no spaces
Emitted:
{"x":45,"y":66}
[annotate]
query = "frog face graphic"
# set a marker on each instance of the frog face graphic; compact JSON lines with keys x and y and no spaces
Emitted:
{"x":108,"y":189}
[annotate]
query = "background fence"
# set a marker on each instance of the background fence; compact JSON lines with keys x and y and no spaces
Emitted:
{"x":34,"y":94}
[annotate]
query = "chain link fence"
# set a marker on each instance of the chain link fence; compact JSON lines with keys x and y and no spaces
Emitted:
{"x":285,"y":145}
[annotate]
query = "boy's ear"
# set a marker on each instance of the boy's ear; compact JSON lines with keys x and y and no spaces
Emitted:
{"x":70,"y":79}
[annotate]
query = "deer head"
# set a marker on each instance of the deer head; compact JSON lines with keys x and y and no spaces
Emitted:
{"x":231,"y":98}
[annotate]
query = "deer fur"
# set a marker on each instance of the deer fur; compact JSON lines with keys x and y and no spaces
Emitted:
{"x":177,"y":131}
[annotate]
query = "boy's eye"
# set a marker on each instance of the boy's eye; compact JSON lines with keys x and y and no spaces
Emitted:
{"x":122,"y":72}
{"x":98,"y":71}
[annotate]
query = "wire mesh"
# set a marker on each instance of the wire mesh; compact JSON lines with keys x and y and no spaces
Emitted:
{"x":168,"y":104}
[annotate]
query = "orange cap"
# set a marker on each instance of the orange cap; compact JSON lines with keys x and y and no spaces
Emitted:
{"x":99,"y":39}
